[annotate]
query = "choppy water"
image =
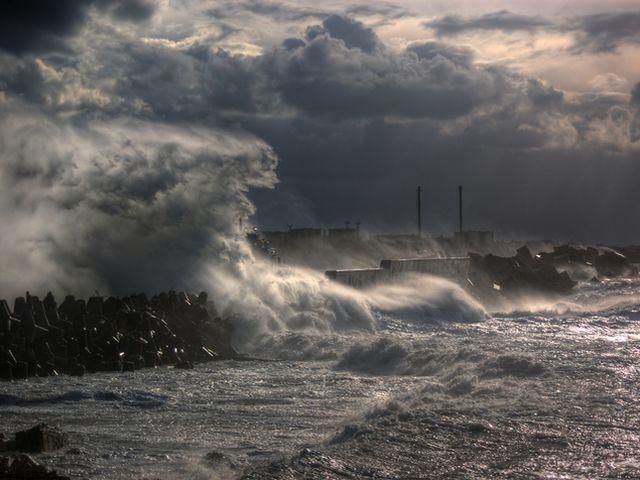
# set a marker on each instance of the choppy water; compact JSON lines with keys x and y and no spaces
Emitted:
{"x":548,"y":392}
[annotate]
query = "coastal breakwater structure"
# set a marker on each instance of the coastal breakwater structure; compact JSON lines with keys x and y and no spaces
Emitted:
{"x":452,"y":268}
{"x":491,"y":275}
{"x":41,"y":338}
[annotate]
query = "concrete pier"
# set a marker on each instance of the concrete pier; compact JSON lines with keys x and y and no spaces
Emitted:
{"x":452,"y":268}
{"x":359,"y":277}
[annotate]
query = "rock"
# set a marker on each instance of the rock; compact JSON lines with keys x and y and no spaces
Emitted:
{"x":524,"y":257}
{"x":611,"y":264}
{"x":21,"y":370}
{"x":114,"y":335}
{"x":493,"y":276}
{"x":6,"y":371}
{"x":184,"y":365}
{"x":76,"y":370}
{"x":6,"y":444}
{"x":40,"y":438}
{"x":608,"y":262}
{"x":219,"y":460}
{"x":23,"y":467}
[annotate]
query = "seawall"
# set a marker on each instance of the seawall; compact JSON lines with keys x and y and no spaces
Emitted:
{"x":452,"y":268}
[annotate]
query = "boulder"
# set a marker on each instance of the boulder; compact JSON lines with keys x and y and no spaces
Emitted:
{"x":23,"y":467}
{"x":611,"y":264}
{"x":6,"y":444}
{"x":521,"y":274}
{"x":524,"y":257}
{"x":607,"y":262}
{"x":217,"y":460}
{"x":112,"y":334}
{"x":40,"y":438}
{"x":184,"y":365}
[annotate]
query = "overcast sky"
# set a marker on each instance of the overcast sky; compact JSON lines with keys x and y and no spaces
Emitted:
{"x":139,"y":125}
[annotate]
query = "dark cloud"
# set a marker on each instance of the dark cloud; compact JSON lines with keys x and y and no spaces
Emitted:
{"x":503,"y":20}
{"x":635,"y":94}
{"x":605,"y":32}
{"x":387,"y":10}
{"x":383,"y":13}
{"x":430,"y":50}
{"x":288,"y":12}
{"x":353,"y":33}
{"x":32,"y":25}
{"x":45,"y":25}
{"x":133,"y":10}
{"x":527,"y":173}
{"x":275,"y":10}
{"x":293,"y":43}
{"x":597,"y":33}
{"x":332,"y":77}
{"x":542,"y":95}
{"x":193,"y":84}
{"x":514,"y":141}
{"x":328,"y":75}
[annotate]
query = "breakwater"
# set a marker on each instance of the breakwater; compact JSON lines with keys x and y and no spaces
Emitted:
{"x":40,"y":337}
{"x":452,"y":268}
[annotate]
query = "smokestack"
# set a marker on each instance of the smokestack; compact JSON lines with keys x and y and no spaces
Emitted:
{"x":460,"y":206}
{"x":419,"y":211}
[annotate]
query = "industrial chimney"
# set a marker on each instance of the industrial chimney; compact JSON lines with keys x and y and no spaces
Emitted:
{"x":419,"y":211}
{"x":460,"y":206}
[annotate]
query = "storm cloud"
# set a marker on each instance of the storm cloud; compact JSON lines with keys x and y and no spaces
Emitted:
{"x":595,"y":33}
{"x":503,"y":20}
{"x":343,"y":70}
{"x":40,"y":26}
{"x":605,"y":32}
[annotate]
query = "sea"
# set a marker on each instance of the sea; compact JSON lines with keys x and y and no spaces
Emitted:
{"x":545,"y":389}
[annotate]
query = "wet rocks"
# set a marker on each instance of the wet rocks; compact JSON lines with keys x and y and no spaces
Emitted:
{"x":520,"y":274}
{"x":612,"y":264}
{"x":39,"y":337}
{"x":38,"y":439}
{"x":41,"y":438}
{"x":546,"y":273}
{"x":23,"y":467}
{"x":217,"y":460}
{"x":606,"y":262}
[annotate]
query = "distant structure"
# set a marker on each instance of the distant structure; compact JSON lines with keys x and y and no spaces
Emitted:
{"x":472,"y":238}
{"x":419,"y":211}
{"x":349,"y":238}
{"x":304,"y":237}
{"x":453,"y":268}
{"x":460,"y":207}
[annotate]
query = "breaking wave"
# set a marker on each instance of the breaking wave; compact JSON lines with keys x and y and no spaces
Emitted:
{"x":267,"y":300}
{"x":392,"y":356}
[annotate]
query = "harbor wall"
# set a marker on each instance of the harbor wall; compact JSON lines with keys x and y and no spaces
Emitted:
{"x":452,"y":268}
{"x":359,"y":277}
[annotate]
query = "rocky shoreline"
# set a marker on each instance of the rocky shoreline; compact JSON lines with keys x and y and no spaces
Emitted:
{"x":41,"y":338}
{"x":553,"y":273}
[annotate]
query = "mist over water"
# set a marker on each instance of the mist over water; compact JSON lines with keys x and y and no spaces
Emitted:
{"x":268,"y":300}
{"x":123,"y":205}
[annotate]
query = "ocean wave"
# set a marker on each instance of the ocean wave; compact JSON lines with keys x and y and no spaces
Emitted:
{"x":268,"y":300}
{"x":71,"y":396}
{"x":390,"y":356}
